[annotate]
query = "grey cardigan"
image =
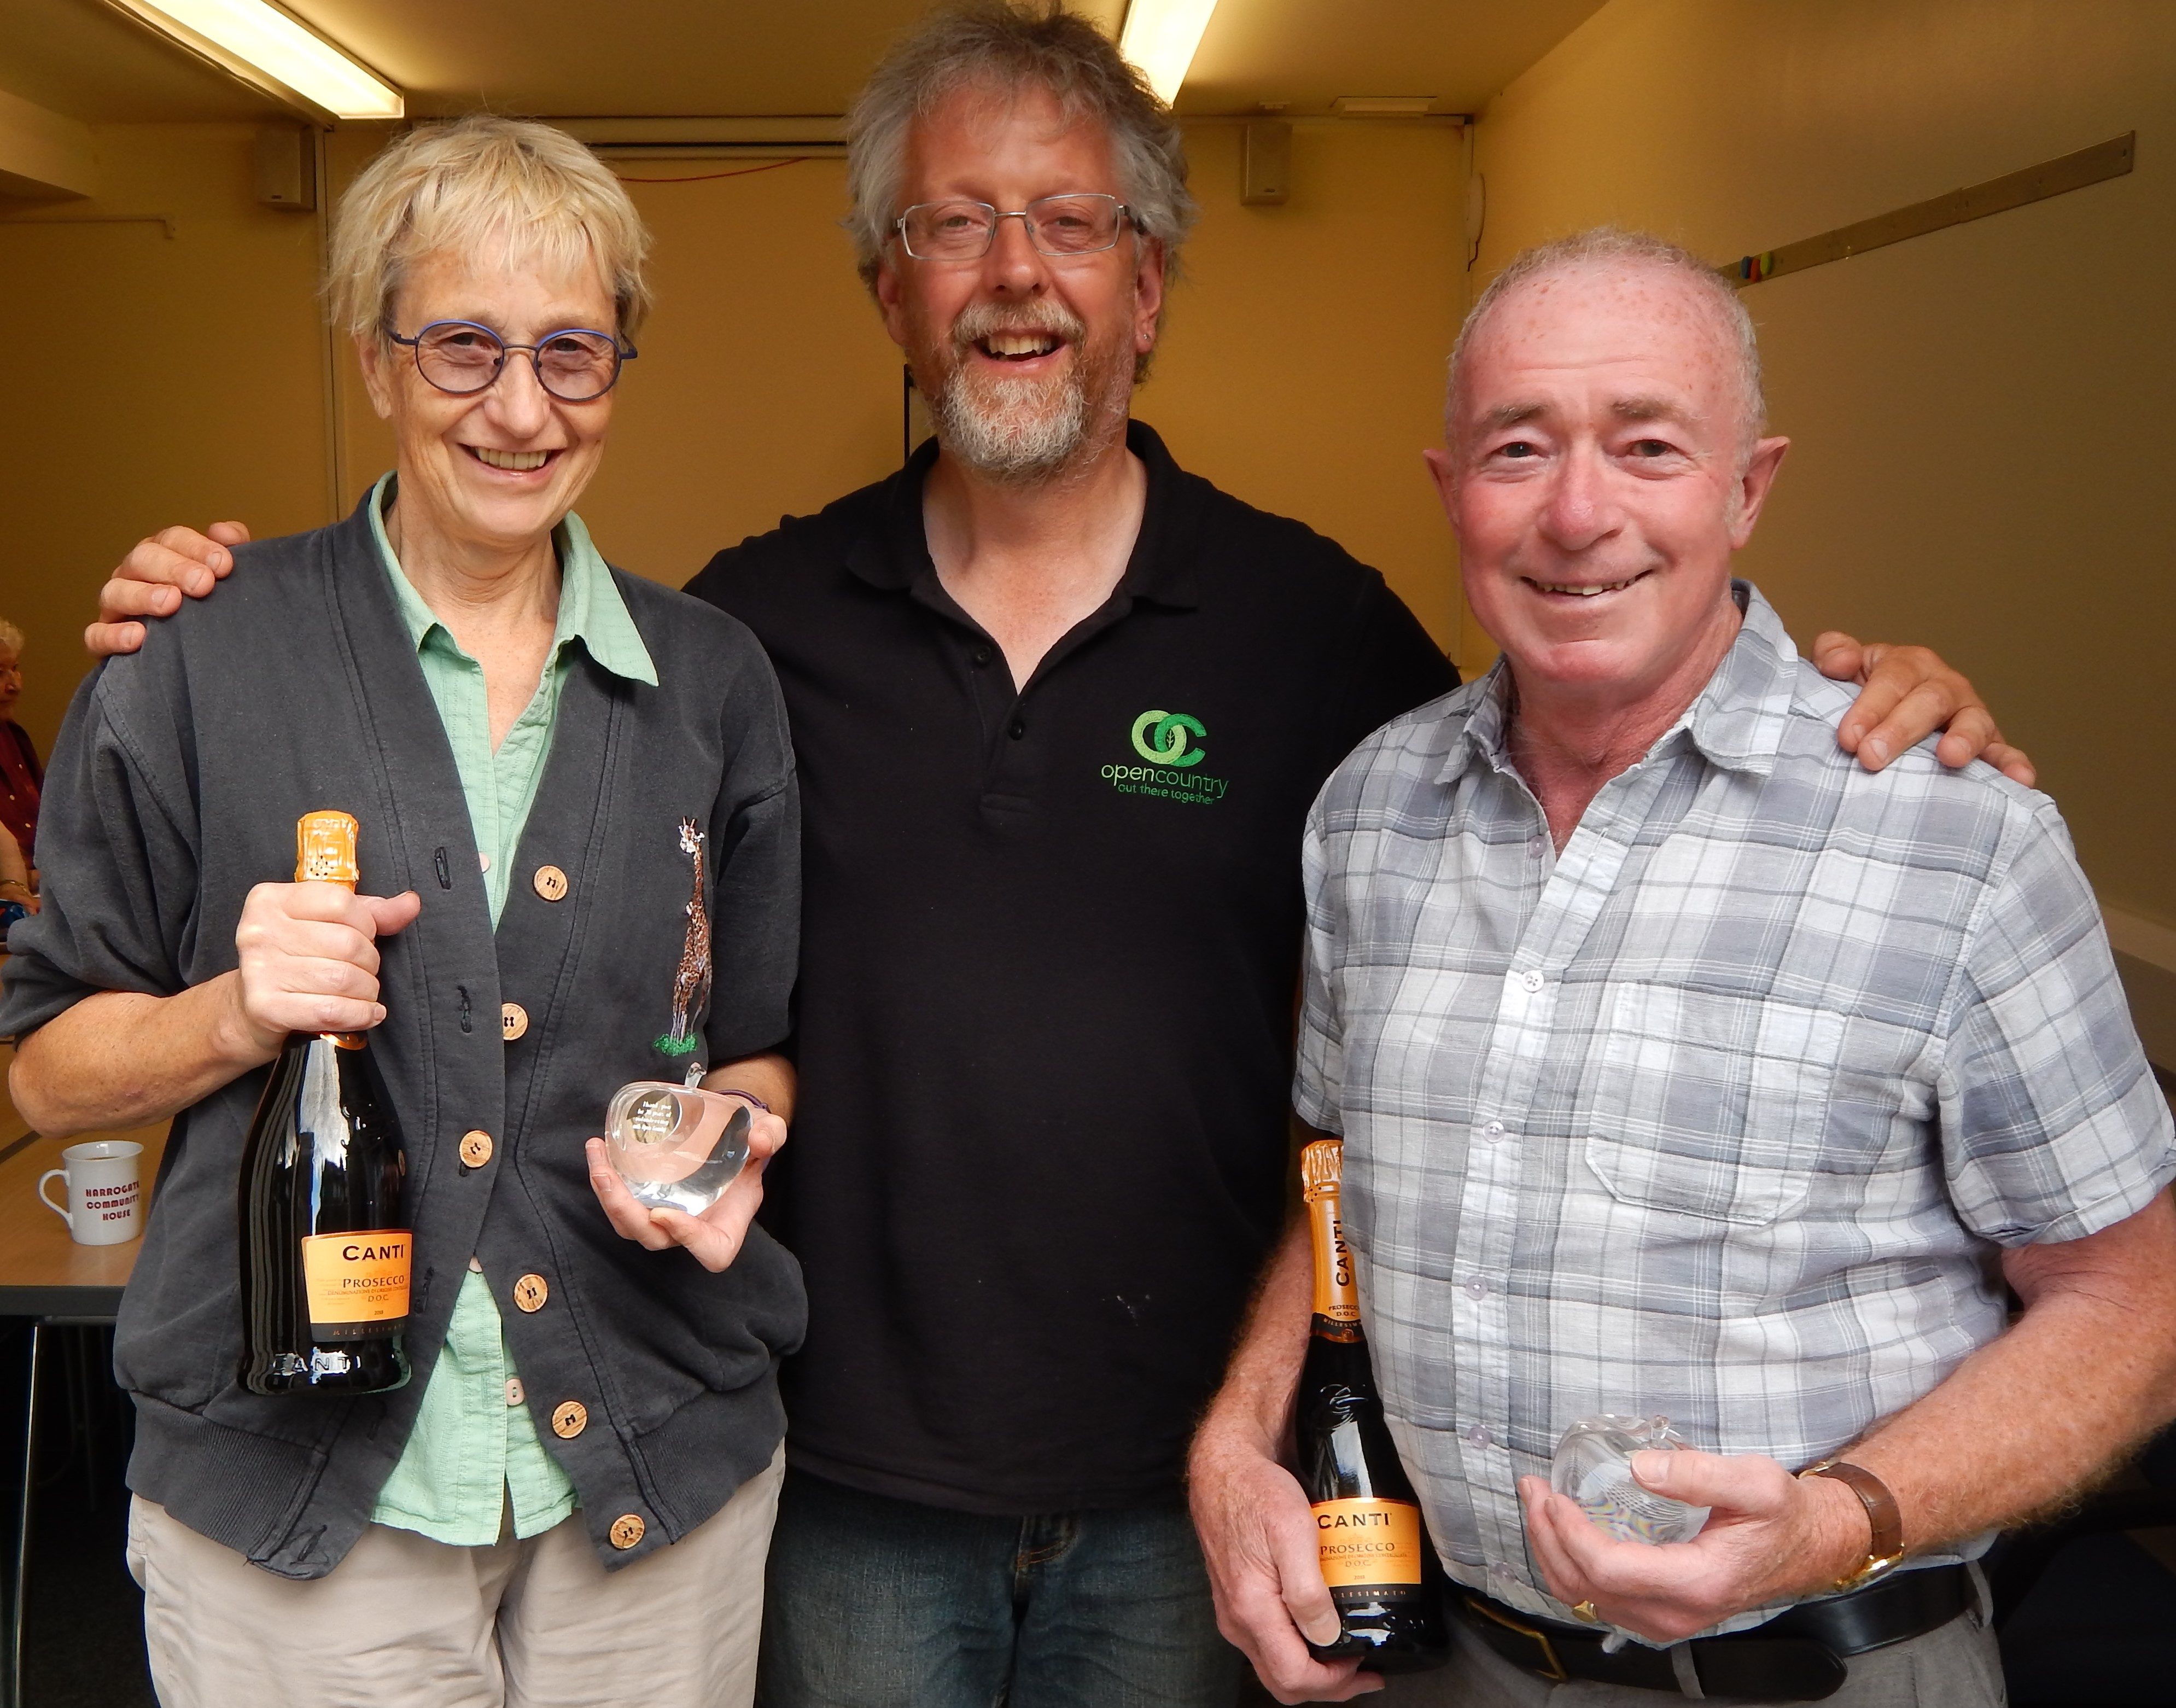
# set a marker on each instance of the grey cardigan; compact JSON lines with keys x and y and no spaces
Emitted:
{"x":178,"y":777}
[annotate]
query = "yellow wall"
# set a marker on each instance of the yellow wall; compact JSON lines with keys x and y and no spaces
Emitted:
{"x":1980,"y":415}
{"x":1302,"y":367}
{"x":187,"y":379}
{"x":152,"y":379}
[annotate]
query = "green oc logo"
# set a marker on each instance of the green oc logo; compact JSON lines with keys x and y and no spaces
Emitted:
{"x":1160,"y":737}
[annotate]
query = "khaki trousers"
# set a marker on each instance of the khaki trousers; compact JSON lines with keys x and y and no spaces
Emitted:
{"x":1955,"y":1666}
{"x":405,"y":1620}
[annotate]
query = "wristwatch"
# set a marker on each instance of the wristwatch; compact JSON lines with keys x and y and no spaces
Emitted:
{"x":1883,"y":1515}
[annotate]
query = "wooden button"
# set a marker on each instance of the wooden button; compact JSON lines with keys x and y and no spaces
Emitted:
{"x":627,"y":1530}
{"x":512,"y":1021}
{"x":569,"y":1417}
{"x":530,"y":1291}
{"x":476,"y":1147}
{"x":552,"y":885}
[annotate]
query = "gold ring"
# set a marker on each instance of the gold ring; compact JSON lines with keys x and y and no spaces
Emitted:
{"x":1585,"y":1613}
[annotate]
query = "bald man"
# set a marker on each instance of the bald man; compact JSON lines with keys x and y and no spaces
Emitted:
{"x":1684,"y":1066}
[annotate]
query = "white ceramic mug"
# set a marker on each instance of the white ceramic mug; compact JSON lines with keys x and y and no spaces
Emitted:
{"x":105,"y":1199}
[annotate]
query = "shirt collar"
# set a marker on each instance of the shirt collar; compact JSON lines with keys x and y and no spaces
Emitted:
{"x":1736,"y":721}
{"x":895,"y":556}
{"x":590,"y":608}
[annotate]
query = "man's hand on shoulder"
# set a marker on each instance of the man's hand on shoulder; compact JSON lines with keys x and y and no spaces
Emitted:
{"x":1770,"y":1537}
{"x":1906,"y":694}
{"x":151,"y":579}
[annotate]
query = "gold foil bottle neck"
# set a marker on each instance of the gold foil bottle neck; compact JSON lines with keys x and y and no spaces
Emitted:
{"x":324,"y":849}
{"x":1321,"y":1168}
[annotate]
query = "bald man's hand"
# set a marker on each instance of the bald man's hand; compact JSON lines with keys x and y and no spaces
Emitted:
{"x":1906,"y":694}
{"x":152,"y":579}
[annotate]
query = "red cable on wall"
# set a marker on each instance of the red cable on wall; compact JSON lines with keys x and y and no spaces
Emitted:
{"x":705,"y":177}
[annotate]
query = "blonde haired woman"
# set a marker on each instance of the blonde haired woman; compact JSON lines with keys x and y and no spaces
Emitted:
{"x":570,"y":1503}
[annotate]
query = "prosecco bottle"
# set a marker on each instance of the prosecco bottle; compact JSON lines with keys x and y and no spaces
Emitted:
{"x":1376,"y":1556}
{"x":325,"y":1249}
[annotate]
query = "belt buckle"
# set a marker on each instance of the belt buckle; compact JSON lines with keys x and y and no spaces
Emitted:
{"x":1554,"y":1670}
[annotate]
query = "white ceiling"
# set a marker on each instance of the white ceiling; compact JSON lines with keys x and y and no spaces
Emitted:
{"x":570,"y":58}
{"x":1309,"y":53}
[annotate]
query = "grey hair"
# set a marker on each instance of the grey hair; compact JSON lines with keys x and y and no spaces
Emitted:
{"x":1006,"y":45}
{"x":1608,"y":248}
{"x":11,"y":638}
{"x":456,"y":186}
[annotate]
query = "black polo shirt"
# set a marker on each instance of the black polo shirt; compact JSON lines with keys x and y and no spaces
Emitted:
{"x":1050,"y":943}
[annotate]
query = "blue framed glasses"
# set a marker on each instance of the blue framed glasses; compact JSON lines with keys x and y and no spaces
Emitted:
{"x":461,"y":358}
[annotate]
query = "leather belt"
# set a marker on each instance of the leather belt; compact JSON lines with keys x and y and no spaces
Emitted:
{"x":1797,"y":1657}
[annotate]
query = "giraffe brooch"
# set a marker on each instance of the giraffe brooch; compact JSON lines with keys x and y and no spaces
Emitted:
{"x":691,"y":983}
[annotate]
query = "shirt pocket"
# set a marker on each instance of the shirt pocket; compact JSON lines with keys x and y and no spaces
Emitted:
{"x":1710,"y":1105}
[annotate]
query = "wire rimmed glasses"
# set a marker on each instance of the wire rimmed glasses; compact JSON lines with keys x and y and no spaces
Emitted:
{"x":1057,"y":225}
{"x":463,"y":357}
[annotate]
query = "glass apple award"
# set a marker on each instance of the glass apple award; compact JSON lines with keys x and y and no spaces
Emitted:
{"x":677,"y":1147}
{"x":1593,"y":1465}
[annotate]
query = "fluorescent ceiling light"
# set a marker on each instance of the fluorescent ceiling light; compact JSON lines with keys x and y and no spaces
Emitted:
{"x":1384,"y":105}
{"x":267,"y":48}
{"x":1160,"y":36}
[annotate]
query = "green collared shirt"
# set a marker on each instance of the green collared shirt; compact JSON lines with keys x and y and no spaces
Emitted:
{"x":474,"y":1455}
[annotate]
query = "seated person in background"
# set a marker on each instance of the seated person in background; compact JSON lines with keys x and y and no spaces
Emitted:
{"x":571,"y":1500}
{"x":21,"y":776}
{"x":1684,"y":1066}
{"x":18,"y":900}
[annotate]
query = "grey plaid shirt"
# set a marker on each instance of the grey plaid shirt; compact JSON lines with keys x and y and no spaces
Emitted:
{"x":1722,"y":1113}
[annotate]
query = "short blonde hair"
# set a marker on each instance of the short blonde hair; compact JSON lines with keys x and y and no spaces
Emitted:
{"x":481,"y":180}
{"x":11,"y":638}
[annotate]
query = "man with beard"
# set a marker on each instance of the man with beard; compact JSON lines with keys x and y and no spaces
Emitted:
{"x":1059,"y":708}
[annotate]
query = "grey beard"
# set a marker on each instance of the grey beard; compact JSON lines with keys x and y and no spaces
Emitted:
{"x":1012,"y":430}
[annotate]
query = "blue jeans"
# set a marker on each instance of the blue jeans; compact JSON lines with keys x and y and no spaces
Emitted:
{"x":873,"y":1603}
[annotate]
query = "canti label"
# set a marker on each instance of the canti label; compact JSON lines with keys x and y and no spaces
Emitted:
{"x":356,"y":1280}
{"x":1368,"y":1542}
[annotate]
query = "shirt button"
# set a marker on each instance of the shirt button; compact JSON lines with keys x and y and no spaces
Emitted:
{"x":1476,"y":1288}
{"x":483,"y":861}
{"x":627,"y":1530}
{"x":1531,"y":981}
{"x":982,"y":655}
{"x":569,"y":1417}
{"x":1536,"y":846}
{"x":1493,"y":1131}
{"x":530,"y":1291}
{"x":550,"y":882}
{"x":513,"y":1394}
{"x":476,"y":1147}
{"x":1477,"y":1436}
{"x":1019,"y":728}
{"x":476,"y":1266}
{"x":512,"y":1021}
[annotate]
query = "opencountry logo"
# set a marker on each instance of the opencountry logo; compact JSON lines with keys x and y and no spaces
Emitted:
{"x":1170,"y":742}
{"x":1161,"y":738}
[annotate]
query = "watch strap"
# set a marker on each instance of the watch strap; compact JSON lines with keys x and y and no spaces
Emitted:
{"x":1885,"y":1518}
